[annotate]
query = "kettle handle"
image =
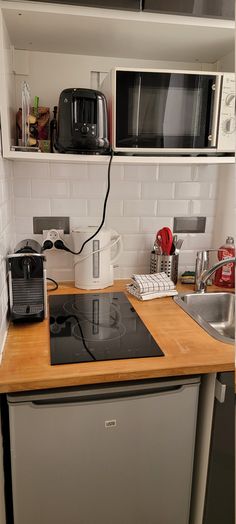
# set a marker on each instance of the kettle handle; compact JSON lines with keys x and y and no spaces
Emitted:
{"x":116,"y":240}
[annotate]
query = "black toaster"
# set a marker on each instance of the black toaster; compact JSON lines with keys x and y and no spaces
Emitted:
{"x":82,"y":122}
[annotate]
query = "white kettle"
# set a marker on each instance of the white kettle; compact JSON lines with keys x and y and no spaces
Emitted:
{"x":94,"y":266}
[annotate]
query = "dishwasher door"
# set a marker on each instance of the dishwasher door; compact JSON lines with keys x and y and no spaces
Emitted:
{"x":121,"y":454}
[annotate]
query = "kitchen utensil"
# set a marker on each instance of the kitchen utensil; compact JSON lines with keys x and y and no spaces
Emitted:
{"x":157,"y":248}
{"x":178,"y":246}
{"x":165,"y":238}
{"x":174,"y":242}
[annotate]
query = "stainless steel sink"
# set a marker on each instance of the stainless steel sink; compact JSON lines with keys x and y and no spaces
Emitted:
{"x":215,"y":312}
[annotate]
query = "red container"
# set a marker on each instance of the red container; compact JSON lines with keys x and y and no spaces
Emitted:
{"x":225,"y":275}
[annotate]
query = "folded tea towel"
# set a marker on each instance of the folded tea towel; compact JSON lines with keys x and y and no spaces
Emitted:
{"x":155,"y":285}
{"x":149,"y":296}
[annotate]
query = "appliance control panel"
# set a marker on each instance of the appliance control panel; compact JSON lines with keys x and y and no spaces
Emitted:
{"x":85,"y":129}
{"x":227,"y":123}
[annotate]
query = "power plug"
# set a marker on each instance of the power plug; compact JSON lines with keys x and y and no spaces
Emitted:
{"x":52,"y":235}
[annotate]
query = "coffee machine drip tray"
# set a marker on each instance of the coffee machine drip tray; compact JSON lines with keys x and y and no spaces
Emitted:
{"x":97,"y":326}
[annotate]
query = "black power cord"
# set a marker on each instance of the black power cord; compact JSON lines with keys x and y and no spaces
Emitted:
{"x":59,"y":244}
{"x":55,"y":284}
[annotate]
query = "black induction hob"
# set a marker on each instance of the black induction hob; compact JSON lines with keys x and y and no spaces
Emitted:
{"x":97,"y":326}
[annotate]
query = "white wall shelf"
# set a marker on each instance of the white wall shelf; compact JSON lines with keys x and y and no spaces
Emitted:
{"x":103,"y":159}
{"x":70,"y":38}
{"x":55,"y":28}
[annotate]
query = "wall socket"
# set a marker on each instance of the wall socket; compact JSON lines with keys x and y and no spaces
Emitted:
{"x":53,"y":235}
{"x":41,"y":224}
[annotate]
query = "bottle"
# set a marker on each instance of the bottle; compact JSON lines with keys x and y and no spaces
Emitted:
{"x":53,"y":129}
{"x":225,"y":275}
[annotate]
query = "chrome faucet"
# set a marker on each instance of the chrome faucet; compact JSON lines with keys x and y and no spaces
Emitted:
{"x":202,"y":270}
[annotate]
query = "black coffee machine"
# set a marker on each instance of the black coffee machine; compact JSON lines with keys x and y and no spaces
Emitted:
{"x":27,"y":282}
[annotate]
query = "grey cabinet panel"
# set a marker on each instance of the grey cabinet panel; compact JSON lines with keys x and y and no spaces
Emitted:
{"x":124,"y":460}
{"x":224,"y":9}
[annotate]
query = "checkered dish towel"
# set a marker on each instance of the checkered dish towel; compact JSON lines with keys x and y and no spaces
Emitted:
{"x":155,"y":285}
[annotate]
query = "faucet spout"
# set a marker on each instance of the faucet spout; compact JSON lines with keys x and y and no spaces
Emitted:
{"x":201,"y":280}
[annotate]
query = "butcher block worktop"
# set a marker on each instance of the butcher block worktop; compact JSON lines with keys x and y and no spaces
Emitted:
{"x":188,"y":349}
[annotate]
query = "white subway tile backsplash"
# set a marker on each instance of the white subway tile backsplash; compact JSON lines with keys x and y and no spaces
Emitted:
{"x":22,"y":187}
{"x":213,"y":190}
{"x":187,"y":257}
{"x":142,"y":208}
{"x":68,"y":207}
{"x":137,"y":242}
{"x":176,"y":173}
{"x":144,"y":259}
{"x":68,"y":171}
{"x":142,"y":173}
{"x":173,"y":208}
{"x":210,"y":223}
{"x":143,"y":199}
{"x":30,"y":169}
{"x":200,"y":241}
{"x":97,"y":173}
{"x":114,"y":208}
{"x":35,"y":207}
{"x":151,"y":225}
{"x":125,"y":190}
{"x":62,"y":275}
{"x":87,"y":189}
{"x":50,"y":188}
{"x":207,"y":173}
{"x":128,"y":259}
{"x":157,"y":190}
{"x":23,"y":225}
{"x":58,"y":259}
{"x":117,"y":172}
{"x":123,"y":224}
{"x":203,"y":207}
{"x":190,"y":190}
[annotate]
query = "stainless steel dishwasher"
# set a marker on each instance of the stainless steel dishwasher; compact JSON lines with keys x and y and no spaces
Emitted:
{"x":117,"y":454}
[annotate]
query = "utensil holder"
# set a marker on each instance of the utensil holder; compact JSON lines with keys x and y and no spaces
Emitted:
{"x":165,"y":263}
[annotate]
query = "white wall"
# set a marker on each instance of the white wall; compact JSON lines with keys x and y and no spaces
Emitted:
{"x":6,"y":238}
{"x":35,"y":67}
{"x":142,"y":200}
{"x":225,"y":211}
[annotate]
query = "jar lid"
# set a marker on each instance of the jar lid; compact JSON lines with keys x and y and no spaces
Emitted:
{"x":230,"y":240}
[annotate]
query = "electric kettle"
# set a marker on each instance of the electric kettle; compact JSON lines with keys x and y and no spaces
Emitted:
{"x":94,"y":266}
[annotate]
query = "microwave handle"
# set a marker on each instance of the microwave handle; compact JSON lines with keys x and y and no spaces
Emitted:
{"x":216,"y":88}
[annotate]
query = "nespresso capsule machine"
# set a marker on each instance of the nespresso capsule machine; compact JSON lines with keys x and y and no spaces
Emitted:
{"x":27,"y":282}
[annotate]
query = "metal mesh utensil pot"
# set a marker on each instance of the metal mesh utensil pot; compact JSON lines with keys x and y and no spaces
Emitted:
{"x":165,"y":263}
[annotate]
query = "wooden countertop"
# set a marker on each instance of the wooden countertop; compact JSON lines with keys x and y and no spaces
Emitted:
{"x":187,"y":347}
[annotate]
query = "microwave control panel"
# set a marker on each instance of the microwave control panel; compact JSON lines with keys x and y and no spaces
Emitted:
{"x":227,"y":123}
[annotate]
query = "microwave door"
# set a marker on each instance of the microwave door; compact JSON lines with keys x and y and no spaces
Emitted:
{"x":163,"y":110}
{"x":186,"y":109}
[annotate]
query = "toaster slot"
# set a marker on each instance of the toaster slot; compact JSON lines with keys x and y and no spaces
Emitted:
{"x":84,"y":111}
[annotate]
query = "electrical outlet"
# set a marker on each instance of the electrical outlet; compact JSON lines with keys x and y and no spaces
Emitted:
{"x":53,"y":235}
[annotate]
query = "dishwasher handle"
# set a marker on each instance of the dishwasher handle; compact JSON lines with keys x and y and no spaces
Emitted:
{"x":96,"y":397}
{"x":101,"y":392}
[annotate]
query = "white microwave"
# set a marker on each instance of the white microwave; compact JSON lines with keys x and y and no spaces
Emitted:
{"x":156,"y":111}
